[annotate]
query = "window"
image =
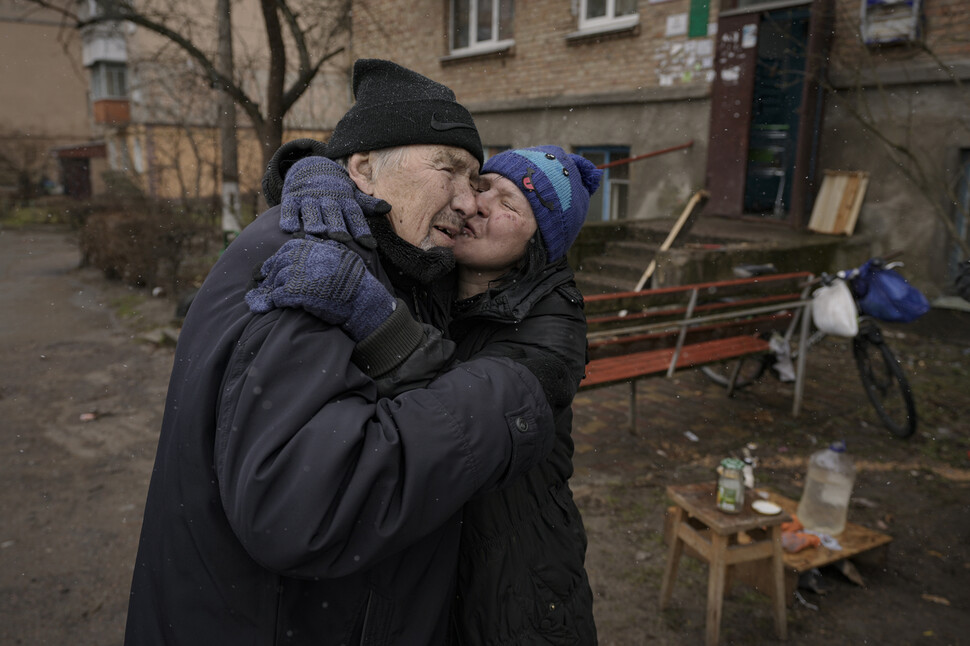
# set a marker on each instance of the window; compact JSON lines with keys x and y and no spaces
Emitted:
{"x":109,"y":81}
{"x":595,"y":14}
{"x":479,"y":26}
{"x":610,"y":201}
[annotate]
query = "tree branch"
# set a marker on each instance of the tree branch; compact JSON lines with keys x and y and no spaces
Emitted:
{"x":302,"y":83}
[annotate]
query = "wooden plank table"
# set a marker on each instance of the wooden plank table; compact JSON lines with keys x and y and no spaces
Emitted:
{"x":861,"y":544}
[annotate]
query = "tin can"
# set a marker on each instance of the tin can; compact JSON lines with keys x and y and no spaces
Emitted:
{"x":730,"y":485}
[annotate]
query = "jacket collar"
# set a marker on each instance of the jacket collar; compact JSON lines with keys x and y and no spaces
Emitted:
{"x":514,"y":302}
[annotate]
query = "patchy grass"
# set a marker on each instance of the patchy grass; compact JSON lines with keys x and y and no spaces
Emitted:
{"x":127,"y":307}
{"x":21,"y":217}
{"x":138,"y":311}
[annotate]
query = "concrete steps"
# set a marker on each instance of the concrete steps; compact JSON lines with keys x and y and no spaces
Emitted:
{"x":611,"y":257}
{"x":617,"y":269}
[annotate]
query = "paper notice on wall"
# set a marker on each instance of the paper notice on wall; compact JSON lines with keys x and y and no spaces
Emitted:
{"x":676,"y":25}
{"x":731,"y":74}
{"x":749,"y":36}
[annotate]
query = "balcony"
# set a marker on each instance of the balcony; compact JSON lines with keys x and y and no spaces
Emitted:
{"x":111,"y":112}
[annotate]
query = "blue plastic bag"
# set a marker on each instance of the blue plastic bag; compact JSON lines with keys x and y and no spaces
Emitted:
{"x":885,"y":295}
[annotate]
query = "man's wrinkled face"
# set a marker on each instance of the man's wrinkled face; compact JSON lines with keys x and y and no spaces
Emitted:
{"x":431,"y":189}
{"x":497,"y":236}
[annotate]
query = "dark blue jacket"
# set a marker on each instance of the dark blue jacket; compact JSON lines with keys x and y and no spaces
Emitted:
{"x":289,"y":504}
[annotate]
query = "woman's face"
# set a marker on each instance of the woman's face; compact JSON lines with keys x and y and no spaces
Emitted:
{"x":497,"y":236}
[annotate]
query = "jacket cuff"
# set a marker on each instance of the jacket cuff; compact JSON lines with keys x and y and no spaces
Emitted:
{"x":390,"y":344}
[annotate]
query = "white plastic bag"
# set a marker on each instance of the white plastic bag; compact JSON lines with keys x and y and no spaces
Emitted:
{"x":834,"y":310}
{"x":782,"y":351}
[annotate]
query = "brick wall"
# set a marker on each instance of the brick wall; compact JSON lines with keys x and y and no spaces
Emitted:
{"x":945,"y":33}
{"x":543,"y":62}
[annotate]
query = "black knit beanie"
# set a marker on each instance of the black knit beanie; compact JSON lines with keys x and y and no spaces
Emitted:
{"x":399,"y":107}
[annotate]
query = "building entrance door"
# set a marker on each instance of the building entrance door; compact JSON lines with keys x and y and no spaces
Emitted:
{"x":779,"y":73}
{"x":76,"y":176}
{"x":764,"y":104}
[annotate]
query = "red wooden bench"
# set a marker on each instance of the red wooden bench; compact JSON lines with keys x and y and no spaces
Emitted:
{"x":655,"y":332}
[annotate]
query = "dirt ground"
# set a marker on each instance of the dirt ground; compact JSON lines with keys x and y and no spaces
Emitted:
{"x":81,"y":398}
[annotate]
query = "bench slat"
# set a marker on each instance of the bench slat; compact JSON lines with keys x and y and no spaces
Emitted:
{"x":611,"y":370}
{"x":604,"y":323}
{"x":624,"y":342}
{"x":607,"y":303}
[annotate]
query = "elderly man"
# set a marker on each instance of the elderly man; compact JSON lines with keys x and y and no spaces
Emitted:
{"x":290,"y":503}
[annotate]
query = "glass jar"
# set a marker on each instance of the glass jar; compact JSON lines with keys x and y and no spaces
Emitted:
{"x":730,"y":486}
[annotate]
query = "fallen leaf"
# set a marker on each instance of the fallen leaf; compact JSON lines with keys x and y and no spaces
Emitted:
{"x":943,"y":601}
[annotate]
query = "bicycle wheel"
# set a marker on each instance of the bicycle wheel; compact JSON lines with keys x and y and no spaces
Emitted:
{"x":885,"y":383}
{"x":752,"y":368}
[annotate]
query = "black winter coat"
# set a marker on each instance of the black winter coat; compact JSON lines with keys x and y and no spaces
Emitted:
{"x":521,"y":570}
{"x":288,"y":503}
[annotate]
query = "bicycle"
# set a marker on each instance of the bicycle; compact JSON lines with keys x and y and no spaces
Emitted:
{"x":882,"y":375}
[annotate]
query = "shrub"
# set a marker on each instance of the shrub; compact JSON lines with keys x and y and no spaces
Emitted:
{"x":145,"y":244}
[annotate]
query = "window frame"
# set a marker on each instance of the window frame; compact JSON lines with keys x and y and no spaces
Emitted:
{"x":608,"y":182}
{"x":105,"y":77}
{"x":608,"y":22}
{"x":475,"y":46}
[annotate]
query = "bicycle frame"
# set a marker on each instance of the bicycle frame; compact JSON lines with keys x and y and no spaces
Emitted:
{"x":870,"y":334}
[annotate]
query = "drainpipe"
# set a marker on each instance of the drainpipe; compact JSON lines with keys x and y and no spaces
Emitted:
{"x":804,"y":184}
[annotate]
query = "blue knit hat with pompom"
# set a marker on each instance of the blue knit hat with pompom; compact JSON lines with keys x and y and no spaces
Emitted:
{"x":558,"y":186}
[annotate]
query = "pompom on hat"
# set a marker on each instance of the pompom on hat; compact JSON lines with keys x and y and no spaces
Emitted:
{"x":558,"y":186}
{"x":396,"y":106}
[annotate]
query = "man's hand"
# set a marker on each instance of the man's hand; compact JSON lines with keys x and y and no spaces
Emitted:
{"x":320,"y":198}
{"x":327,"y":280}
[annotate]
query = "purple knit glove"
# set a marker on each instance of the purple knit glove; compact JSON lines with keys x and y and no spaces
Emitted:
{"x":327,"y":280}
{"x":319,"y":193}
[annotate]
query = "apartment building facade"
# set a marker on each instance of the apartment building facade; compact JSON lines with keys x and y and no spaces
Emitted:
{"x":751,"y":100}
{"x":44,"y":117}
{"x":114,"y":107}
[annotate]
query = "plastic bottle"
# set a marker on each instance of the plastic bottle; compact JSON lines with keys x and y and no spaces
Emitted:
{"x":828,"y":486}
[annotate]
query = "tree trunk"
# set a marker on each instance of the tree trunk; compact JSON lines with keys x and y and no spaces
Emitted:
{"x":271,"y":134}
{"x":231,"y":225}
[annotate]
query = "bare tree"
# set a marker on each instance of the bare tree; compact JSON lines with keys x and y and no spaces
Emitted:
{"x":299,"y":37}
{"x":227,"y":127}
{"x":878,"y":87}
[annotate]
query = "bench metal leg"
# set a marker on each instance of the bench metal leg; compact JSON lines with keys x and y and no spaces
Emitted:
{"x":734,"y":377}
{"x":800,"y":364}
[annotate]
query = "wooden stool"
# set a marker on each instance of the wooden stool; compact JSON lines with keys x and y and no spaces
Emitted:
{"x":714,"y":536}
